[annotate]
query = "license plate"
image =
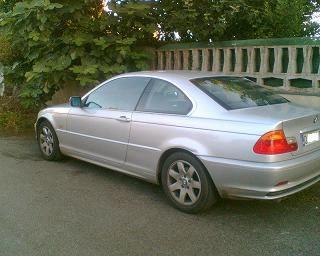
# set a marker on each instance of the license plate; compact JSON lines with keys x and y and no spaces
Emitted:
{"x":311,"y":137}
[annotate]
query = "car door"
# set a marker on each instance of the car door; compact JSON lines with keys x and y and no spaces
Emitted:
{"x":99,"y":131}
{"x":161,"y":110}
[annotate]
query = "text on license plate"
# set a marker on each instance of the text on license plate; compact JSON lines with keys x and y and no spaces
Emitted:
{"x":311,"y":137}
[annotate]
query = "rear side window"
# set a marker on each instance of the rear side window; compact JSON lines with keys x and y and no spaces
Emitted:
{"x":119,"y":94}
{"x":163,"y":97}
{"x":237,"y":93}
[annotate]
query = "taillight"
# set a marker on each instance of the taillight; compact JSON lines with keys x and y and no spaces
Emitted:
{"x":275,"y":142}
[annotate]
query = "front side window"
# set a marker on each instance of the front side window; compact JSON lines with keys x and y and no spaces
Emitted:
{"x":119,"y":94}
{"x":163,"y":97}
{"x":236,"y":92}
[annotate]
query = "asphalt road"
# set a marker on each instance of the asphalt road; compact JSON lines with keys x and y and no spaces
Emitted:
{"x":74,"y":208}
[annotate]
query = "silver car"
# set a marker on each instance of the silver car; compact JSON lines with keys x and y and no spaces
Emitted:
{"x":202,"y":136}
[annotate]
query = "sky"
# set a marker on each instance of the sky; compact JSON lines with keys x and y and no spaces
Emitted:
{"x":316,"y":17}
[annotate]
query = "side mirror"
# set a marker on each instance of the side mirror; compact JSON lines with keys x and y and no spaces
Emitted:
{"x":75,"y":101}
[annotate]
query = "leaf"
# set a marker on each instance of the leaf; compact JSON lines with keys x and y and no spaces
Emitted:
{"x":19,"y":8}
{"x":126,"y":41}
{"x":15,"y":65}
{"x":103,"y":42}
{"x":85,"y":69}
{"x":34,"y":35}
{"x":46,"y":88}
{"x":82,"y":38}
{"x":53,"y":6}
{"x":29,"y":76}
{"x":113,"y":69}
{"x":43,"y":18}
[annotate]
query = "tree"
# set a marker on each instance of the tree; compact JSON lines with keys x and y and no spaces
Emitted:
{"x":216,"y":20}
{"x":289,"y":18}
{"x":70,"y":40}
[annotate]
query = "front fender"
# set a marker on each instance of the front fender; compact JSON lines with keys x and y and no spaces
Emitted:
{"x":57,"y":117}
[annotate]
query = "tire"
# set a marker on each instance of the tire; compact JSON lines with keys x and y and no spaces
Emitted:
{"x":187,"y":183}
{"x":48,"y":142}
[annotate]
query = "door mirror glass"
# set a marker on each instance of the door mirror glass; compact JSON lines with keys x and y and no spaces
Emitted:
{"x":75,"y":101}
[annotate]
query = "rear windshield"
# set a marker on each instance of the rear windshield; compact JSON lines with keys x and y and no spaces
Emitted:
{"x":237,"y":93}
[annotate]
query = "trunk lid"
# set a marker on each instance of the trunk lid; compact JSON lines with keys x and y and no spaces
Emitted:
{"x":306,"y":130}
{"x":298,"y":122}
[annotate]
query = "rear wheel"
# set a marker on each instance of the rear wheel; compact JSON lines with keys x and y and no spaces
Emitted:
{"x":48,"y":142}
{"x":187,"y":183}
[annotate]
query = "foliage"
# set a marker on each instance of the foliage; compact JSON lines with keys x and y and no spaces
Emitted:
{"x":275,"y":19}
{"x":6,"y":51}
{"x":196,"y":20}
{"x":13,"y":118}
{"x":15,"y":123}
{"x":7,"y":5}
{"x":46,"y":44}
{"x":217,"y":20}
{"x":68,"y":40}
{"x":289,"y":18}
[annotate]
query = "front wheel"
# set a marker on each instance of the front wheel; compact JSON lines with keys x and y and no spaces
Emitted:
{"x":187,"y":183}
{"x":48,"y":142}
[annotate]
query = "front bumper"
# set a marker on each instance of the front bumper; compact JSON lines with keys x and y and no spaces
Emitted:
{"x":244,"y":179}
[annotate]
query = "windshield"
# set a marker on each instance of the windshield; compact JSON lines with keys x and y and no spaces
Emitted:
{"x":237,"y":93}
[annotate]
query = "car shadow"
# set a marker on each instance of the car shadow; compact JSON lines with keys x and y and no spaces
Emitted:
{"x":300,"y":202}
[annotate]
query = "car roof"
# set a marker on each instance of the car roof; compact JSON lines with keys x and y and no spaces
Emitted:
{"x":174,"y":74}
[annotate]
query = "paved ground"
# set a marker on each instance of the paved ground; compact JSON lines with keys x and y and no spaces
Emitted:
{"x":73,"y":208}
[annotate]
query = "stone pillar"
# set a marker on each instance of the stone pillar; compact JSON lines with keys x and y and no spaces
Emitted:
{"x":239,"y":60}
{"x":277,"y":69}
{"x":307,"y":60}
{"x":177,"y":60}
{"x":214,"y":58}
{"x":185,"y":59}
{"x":264,"y":60}
{"x":315,"y":83}
{"x":227,"y":61}
{"x":160,"y":60}
{"x":168,"y":60}
{"x":216,"y":62}
{"x":286,"y":83}
{"x":205,"y":60}
{"x":195,"y":59}
{"x":292,"y":67}
{"x":251,"y":60}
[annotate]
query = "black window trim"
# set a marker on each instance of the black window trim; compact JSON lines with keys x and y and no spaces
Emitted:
{"x":142,"y":94}
{"x":162,"y":113}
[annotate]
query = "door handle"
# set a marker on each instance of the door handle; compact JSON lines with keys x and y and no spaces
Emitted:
{"x":124,"y":119}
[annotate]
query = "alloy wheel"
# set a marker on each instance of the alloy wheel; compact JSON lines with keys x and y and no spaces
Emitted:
{"x":46,"y":141}
{"x":184,"y":183}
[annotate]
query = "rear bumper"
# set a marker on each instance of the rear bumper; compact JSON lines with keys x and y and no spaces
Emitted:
{"x":243,"y":179}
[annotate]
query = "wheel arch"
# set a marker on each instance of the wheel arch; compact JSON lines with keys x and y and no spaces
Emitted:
{"x":171,"y":151}
{"x":40,"y":121}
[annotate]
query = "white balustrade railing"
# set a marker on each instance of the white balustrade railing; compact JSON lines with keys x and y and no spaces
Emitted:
{"x":290,"y":65}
